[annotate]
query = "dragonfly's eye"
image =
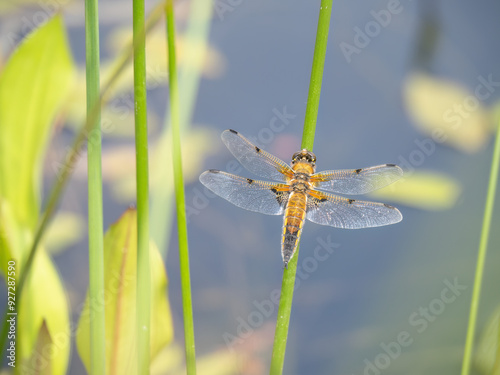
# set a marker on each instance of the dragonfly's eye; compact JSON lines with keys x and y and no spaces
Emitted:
{"x":311,"y":157}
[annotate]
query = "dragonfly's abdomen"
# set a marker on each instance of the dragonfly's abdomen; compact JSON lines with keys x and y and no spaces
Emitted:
{"x":293,"y":221}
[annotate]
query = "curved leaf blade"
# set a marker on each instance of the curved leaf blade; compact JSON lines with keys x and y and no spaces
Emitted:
{"x":120,"y":260}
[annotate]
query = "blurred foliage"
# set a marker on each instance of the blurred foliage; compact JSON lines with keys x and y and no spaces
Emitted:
{"x":221,"y":362}
{"x":12,"y":6}
{"x":443,"y":109}
{"x":44,"y":341}
{"x":120,"y":262}
{"x":422,"y":189}
{"x":487,"y":356}
{"x":43,"y":285}
{"x":118,"y":163}
{"x":33,"y":85}
{"x":65,"y":230}
{"x":118,"y":113}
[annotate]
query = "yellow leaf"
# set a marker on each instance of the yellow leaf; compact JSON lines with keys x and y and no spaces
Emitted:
{"x":170,"y":361}
{"x":119,"y":301}
{"x":42,"y":364}
{"x":438,"y":106}
{"x":222,"y":362}
{"x":43,"y":302}
{"x":426,"y":190}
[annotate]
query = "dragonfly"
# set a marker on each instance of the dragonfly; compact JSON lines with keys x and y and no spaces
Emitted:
{"x":297,"y":191}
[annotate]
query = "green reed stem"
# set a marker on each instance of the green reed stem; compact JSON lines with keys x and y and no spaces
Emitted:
{"x":287,"y":286}
{"x":143,"y":301}
{"x":481,"y":256}
{"x":70,"y":160}
{"x":195,"y":35}
{"x":316,"y":75}
{"x":96,"y":247}
{"x":187,"y":305}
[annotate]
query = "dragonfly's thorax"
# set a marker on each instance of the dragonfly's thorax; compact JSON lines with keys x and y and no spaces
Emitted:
{"x":300,"y":182}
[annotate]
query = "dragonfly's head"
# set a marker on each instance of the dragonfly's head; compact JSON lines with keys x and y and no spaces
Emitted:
{"x":304,"y":156}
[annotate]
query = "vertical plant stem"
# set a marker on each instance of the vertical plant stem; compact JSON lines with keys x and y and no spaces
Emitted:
{"x":481,"y":256}
{"x":187,"y":306}
{"x":287,"y":286}
{"x":316,"y":74}
{"x":73,"y":155}
{"x":143,"y":307}
{"x":96,"y":256}
{"x":195,"y":36}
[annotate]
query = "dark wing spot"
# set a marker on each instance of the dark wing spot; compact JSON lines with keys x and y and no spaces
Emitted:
{"x":390,"y":165}
{"x":351,"y":201}
{"x":257,"y":149}
{"x":316,"y":201}
{"x":213,"y":171}
{"x":388,"y":205}
{"x":249,"y":180}
{"x":281,"y":197}
{"x":358,"y":170}
{"x":233,"y":131}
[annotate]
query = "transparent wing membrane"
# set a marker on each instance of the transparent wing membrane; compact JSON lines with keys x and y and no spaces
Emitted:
{"x":257,"y":196}
{"x":339,"y":212}
{"x":255,"y":159}
{"x":357,"y":181}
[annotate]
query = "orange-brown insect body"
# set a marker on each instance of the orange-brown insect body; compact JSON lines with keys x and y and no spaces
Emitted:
{"x":303,"y":164}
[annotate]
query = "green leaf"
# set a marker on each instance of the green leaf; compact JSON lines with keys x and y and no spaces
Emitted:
{"x":12,"y":239}
{"x":43,"y":302}
{"x":120,"y":260}
{"x":33,"y":85}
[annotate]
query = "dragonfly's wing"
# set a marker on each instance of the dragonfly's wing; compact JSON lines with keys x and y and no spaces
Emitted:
{"x":339,"y":212}
{"x":255,"y":159}
{"x":357,"y":181}
{"x":258,"y":196}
